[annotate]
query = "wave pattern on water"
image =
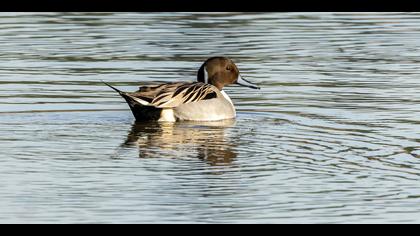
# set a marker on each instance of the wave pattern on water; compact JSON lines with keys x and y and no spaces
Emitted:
{"x":332,"y":137}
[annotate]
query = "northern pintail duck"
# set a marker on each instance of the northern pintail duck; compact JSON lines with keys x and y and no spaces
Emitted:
{"x":203,"y":100}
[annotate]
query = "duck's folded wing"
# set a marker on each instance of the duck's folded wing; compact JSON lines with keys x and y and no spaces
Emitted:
{"x":174,"y":95}
{"x":146,"y":94}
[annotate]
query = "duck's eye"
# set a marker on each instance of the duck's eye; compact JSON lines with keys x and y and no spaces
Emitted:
{"x":229,"y":68}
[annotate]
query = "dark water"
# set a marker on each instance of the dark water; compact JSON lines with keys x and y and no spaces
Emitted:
{"x":333,"y":136}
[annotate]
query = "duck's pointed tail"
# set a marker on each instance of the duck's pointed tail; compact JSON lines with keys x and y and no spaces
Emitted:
{"x":142,"y":110}
{"x":118,"y":91}
{"x":132,"y":100}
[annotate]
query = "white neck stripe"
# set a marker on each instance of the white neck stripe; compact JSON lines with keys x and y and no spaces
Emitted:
{"x":206,"y":76}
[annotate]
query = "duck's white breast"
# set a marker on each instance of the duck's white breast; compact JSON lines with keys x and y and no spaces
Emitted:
{"x":226,"y":97}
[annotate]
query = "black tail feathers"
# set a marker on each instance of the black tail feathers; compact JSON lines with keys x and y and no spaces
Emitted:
{"x":118,"y":91}
{"x":140,"y":112}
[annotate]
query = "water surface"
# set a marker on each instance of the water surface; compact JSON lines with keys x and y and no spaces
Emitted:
{"x":332,"y":137}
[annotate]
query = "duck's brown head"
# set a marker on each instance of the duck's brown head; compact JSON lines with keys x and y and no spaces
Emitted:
{"x":220,"y":72}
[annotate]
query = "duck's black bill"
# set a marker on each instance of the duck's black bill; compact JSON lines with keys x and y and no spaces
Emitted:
{"x":245,"y":83}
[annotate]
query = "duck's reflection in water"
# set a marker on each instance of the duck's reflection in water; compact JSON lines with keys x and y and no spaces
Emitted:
{"x":207,"y":141}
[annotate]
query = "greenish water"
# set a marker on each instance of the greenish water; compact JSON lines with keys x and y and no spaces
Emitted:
{"x":332,"y":137}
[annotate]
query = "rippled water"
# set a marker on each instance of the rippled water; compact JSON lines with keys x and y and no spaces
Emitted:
{"x":333,"y":136}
